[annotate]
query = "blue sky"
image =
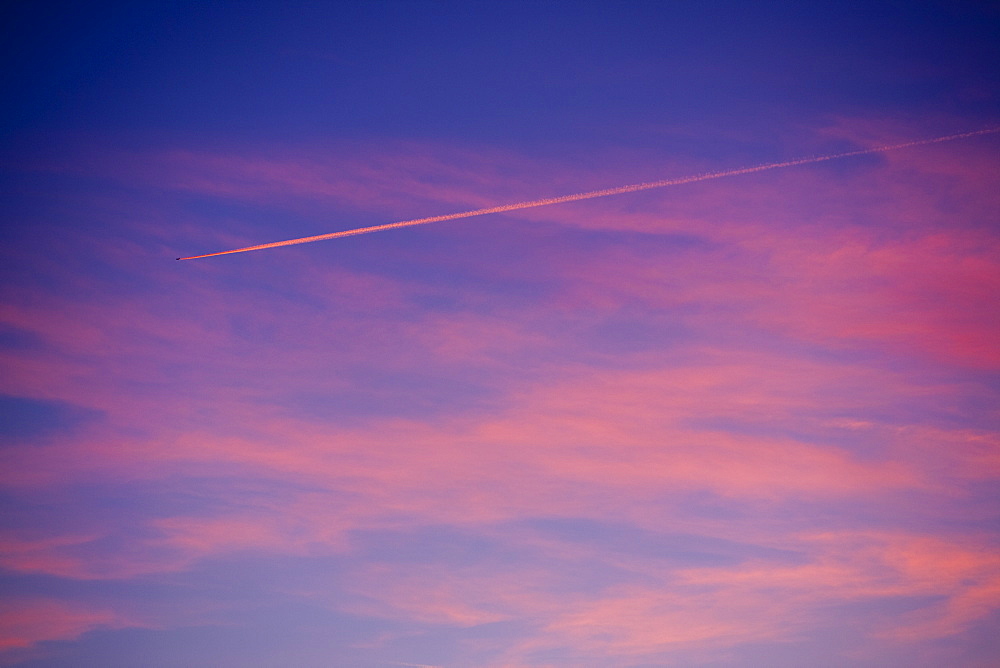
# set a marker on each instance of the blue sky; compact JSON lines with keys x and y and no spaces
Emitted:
{"x":746,"y":421}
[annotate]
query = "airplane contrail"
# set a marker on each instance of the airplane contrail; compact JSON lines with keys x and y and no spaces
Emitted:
{"x":597,"y":193}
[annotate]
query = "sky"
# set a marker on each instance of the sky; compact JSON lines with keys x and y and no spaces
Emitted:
{"x":748,"y":421}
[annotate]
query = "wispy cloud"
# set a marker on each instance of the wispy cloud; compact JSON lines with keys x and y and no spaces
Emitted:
{"x":667,"y":429}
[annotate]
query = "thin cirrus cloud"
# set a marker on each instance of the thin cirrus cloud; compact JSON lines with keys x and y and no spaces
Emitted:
{"x":617,"y":429}
{"x":26,"y":623}
{"x":652,"y":605}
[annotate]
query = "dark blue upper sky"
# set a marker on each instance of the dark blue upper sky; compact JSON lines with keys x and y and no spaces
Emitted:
{"x":509,"y":73}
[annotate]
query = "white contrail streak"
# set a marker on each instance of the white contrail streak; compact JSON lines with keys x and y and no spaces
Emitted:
{"x":596,"y":193}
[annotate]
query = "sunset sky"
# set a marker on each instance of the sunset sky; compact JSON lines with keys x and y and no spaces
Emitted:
{"x":749,"y":421}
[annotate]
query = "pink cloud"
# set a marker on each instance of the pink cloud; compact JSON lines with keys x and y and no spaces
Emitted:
{"x":27,"y":622}
{"x":760,"y":404}
{"x":42,"y":555}
{"x":702,"y":611}
{"x":566,"y":448}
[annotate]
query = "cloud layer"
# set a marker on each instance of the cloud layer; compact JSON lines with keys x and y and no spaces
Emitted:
{"x":744,"y":420}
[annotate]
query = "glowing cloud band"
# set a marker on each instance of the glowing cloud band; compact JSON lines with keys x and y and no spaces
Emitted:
{"x":595,"y":193}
